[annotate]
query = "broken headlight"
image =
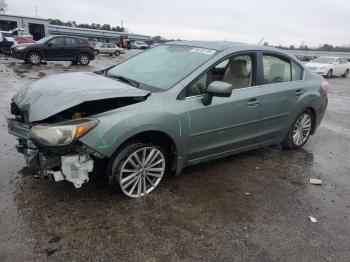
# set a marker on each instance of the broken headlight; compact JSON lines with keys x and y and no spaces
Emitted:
{"x":63,"y":133}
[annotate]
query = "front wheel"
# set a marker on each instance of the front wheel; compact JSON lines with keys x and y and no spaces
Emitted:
{"x":117,"y":53}
{"x":137,"y":169}
{"x":346,"y":73}
{"x":34,"y":58}
{"x":329,"y":74}
{"x":300,"y":132}
{"x":83,"y":59}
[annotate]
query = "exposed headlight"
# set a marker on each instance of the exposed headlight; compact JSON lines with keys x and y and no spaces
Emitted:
{"x":21,"y":47}
{"x":63,"y":133}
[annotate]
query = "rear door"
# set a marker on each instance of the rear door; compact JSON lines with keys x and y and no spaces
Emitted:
{"x":72,"y":47}
{"x":282,"y":85}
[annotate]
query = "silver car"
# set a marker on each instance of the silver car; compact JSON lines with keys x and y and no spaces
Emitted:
{"x":109,"y":49}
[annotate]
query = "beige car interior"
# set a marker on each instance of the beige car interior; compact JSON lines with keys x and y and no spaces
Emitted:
{"x":237,"y":72}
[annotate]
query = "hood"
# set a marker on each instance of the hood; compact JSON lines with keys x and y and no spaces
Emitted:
{"x":317,"y":65}
{"x":53,"y":94}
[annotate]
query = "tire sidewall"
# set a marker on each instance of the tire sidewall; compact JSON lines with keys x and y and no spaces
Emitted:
{"x":346,"y":73}
{"x":330,"y":73}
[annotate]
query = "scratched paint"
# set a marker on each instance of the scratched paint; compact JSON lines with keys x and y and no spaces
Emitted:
{"x":180,"y":127}
{"x":104,"y":144}
{"x":189,"y":119}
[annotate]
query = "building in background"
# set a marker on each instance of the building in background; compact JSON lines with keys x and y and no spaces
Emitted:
{"x":40,"y":27}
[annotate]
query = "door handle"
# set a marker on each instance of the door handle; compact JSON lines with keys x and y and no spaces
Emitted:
{"x":253,"y":102}
{"x":299,"y":92}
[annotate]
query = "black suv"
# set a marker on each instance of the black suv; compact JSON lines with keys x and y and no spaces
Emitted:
{"x":56,"y":48}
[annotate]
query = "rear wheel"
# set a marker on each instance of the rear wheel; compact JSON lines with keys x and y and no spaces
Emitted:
{"x":117,"y":53}
{"x":34,"y":58}
{"x":329,"y":74}
{"x":300,"y":132}
{"x":346,"y":73}
{"x":83,"y":59}
{"x":137,"y":169}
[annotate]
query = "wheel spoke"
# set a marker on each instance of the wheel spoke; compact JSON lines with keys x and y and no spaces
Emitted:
{"x":130,"y":182}
{"x":129,"y":177}
{"x":154,"y":175}
{"x":156,"y":163}
{"x":144,"y":185}
{"x":134,"y":185}
{"x":139,"y":187}
{"x":150,"y":180}
{"x":137,"y":158}
{"x":150,"y":155}
{"x":155,"y":169}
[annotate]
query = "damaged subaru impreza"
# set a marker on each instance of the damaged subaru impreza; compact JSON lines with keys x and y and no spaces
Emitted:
{"x":175,"y":105}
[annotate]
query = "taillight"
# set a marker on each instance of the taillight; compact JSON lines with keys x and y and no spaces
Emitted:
{"x":325,"y":86}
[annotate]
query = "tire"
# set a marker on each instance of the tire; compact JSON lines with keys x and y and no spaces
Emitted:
{"x":134,"y":177}
{"x":117,"y":53}
{"x":329,"y":74}
{"x":34,"y":58}
{"x":346,"y":73}
{"x":83,"y":59}
{"x":303,"y":127}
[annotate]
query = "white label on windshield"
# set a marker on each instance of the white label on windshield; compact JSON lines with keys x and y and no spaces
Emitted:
{"x":203,"y":51}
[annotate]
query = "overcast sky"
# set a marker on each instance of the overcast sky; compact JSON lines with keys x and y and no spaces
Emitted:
{"x":280,"y":22}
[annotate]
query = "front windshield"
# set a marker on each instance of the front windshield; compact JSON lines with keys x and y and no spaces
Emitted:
{"x":162,"y":66}
{"x":324,"y":60}
{"x":43,"y":40}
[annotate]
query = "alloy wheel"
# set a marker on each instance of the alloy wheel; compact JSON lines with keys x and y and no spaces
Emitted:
{"x":34,"y":58}
{"x":302,"y":129}
{"x":84,"y":60}
{"x":142,"y":171}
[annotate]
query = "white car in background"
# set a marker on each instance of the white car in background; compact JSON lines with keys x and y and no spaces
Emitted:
{"x":329,"y":66}
{"x":109,"y":49}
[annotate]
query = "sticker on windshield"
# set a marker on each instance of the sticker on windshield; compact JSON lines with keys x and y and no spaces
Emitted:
{"x":203,"y":51}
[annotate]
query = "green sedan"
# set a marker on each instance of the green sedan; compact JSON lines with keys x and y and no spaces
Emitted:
{"x":175,"y":105}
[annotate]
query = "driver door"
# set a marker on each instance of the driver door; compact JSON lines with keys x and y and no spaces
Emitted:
{"x":55,"y":49}
{"x":228,"y":123}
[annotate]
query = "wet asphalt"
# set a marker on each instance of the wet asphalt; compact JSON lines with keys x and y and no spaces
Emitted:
{"x":248,"y":207}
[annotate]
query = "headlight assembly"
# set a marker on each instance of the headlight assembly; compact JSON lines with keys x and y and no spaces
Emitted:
{"x":21,"y":47}
{"x":63,"y":133}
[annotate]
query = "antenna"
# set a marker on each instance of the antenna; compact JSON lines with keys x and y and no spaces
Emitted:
{"x":262,"y":39}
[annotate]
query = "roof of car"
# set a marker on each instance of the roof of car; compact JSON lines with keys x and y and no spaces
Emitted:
{"x":222,"y":45}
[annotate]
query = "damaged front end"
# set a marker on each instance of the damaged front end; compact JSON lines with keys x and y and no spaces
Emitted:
{"x":53,"y":150}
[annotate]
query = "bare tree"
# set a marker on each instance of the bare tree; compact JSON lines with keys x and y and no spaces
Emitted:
{"x":3,"y":6}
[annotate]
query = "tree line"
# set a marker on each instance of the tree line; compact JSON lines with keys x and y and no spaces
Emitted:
{"x":106,"y":27}
{"x":304,"y":47}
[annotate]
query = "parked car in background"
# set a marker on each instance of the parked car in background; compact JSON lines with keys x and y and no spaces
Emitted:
{"x":24,"y":38}
{"x":6,"y":42}
{"x":138,"y":45}
{"x":329,"y":66}
{"x":108,"y":48}
{"x":56,"y":48}
{"x":175,"y":105}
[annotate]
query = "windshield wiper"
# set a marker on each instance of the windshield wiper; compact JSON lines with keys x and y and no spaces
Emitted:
{"x":125,"y":80}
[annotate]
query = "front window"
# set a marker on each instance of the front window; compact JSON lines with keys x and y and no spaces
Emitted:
{"x":163,"y":66}
{"x":324,"y":60}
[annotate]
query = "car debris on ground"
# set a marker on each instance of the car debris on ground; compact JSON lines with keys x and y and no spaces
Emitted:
{"x":312,"y":219}
{"x":315,"y":181}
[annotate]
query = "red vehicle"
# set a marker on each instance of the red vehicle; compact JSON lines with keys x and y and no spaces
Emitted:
{"x":22,"y":37}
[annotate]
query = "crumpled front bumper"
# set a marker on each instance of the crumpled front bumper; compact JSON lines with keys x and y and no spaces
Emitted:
{"x":71,"y":165}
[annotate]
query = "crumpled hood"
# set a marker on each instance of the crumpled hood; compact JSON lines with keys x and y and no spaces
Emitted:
{"x":53,"y":94}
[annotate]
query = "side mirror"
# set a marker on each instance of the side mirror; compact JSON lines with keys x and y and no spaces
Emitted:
{"x":217,"y":88}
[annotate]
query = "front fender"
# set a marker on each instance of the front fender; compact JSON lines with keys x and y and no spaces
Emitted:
{"x":114,"y":129}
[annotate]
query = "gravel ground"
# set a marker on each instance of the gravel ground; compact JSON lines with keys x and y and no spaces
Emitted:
{"x":248,"y":207}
